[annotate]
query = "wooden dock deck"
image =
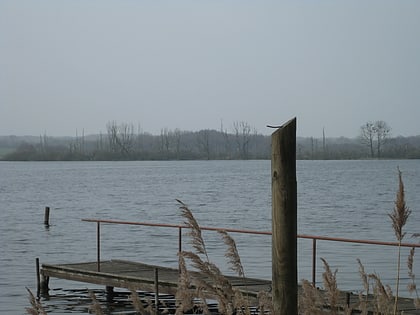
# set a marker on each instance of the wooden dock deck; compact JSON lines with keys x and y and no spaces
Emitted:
{"x":138,"y":276}
{"x":152,"y":278}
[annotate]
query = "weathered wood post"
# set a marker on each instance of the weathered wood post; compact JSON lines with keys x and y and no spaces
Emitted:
{"x":47,"y":216}
{"x":284,"y":219}
{"x":38,"y":278}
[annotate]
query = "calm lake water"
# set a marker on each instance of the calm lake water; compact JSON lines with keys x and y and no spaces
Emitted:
{"x":335,"y":198}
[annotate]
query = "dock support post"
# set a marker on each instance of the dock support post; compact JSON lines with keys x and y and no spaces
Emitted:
{"x":98,"y":246}
{"x":44,"y":285}
{"x":42,"y":281}
{"x":47,"y":217}
{"x":284,"y":219}
{"x":38,"y":278}
{"x":156,"y":291}
{"x":109,"y":293}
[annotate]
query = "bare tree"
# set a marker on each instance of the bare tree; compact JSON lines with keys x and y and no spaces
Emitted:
{"x":367,"y":135}
{"x":382,"y":131}
{"x":165,"y":141}
{"x":203,"y":140}
{"x":242,"y":136}
{"x":120,"y":137}
{"x":177,"y":137}
{"x":375,"y":134}
{"x":226,"y":141}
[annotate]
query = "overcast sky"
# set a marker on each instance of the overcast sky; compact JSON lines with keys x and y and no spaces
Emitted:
{"x":76,"y":65}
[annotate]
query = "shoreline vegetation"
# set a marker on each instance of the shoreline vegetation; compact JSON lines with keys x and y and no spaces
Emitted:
{"x":374,"y":298}
{"x":122,"y":143}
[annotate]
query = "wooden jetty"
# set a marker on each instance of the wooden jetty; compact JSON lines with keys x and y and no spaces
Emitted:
{"x":164,"y":280}
{"x":138,"y":276}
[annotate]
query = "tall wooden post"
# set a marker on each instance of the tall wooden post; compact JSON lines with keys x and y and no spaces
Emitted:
{"x":284,"y":219}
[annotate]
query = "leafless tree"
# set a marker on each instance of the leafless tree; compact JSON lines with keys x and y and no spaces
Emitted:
{"x":120,"y":137}
{"x":375,"y":134}
{"x":367,"y":135}
{"x":242,"y":132}
{"x":165,"y":141}
{"x":382,"y":131}
{"x":226,"y":141}
{"x":203,"y":141}
{"x":177,"y":139}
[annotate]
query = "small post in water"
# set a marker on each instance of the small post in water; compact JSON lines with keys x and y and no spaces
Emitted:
{"x":47,"y":216}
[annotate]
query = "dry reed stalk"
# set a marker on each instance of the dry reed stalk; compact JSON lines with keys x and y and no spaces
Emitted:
{"x":363,"y":299}
{"x":197,"y":240}
{"x":241,"y":302}
{"x":138,"y":304}
{"x":310,"y":301}
{"x":383,"y":299}
{"x":36,"y":306}
{"x":95,"y":307}
{"x":184,"y":297}
{"x":412,"y":287}
{"x":232,"y":253}
{"x":330,"y":286}
{"x":265,"y":303}
{"x":214,"y":283}
{"x":399,"y":218}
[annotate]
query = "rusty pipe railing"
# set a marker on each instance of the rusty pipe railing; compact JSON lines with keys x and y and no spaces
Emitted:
{"x":314,"y":238}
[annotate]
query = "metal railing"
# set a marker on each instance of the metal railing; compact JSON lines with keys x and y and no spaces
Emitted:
{"x":314,"y":238}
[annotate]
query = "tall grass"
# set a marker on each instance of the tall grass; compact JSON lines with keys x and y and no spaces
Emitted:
{"x":399,"y":218}
{"x":230,"y":300}
{"x":36,"y":306}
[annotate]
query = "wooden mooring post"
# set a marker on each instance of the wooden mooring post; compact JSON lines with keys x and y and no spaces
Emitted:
{"x":284,"y":219}
{"x":47,"y":216}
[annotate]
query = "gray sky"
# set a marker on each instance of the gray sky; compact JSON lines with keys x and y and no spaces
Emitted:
{"x":75,"y":64}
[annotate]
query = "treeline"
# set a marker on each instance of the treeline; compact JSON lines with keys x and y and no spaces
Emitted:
{"x":122,"y":142}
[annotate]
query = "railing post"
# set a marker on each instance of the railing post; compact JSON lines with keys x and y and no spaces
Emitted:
{"x":98,"y":245}
{"x":314,"y":262}
{"x":179,"y":239}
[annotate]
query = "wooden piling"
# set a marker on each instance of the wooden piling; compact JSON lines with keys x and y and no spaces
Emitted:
{"x":38,"y":278}
{"x":47,"y":216}
{"x":109,"y":293}
{"x":156,"y":290}
{"x":284,"y":219}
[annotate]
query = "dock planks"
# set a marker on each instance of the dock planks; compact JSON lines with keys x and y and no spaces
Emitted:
{"x":141,"y":276}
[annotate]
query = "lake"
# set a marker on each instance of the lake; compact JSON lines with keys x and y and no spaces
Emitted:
{"x":348,"y":199}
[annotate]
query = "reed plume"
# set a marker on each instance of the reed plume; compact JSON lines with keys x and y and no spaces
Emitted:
{"x":363,"y":299}
{"x":197,"y":240}
{"x":330,"y":286}
{"x":184,"y":297}
{"x":138,"y":304}
{"x":383,"y":299}
{"x":214,"y":283}
{"x":36,"y":306}
{"x":399,"y":218}
{"x":232,"y":253}
{"x":310,"y":300}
